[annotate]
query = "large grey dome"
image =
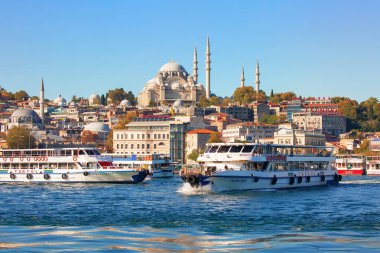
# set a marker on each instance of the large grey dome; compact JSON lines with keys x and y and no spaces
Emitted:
{"x":98,"y":127}
{"x":23,"y":112}
{"x":172,"y":67}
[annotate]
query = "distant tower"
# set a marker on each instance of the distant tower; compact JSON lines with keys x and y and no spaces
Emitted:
{"x":195,"y":66}
{"x":42,"y":98}
{"x":257,"y":82}
{"x":242,"y":79}
{"x":208,"y":69}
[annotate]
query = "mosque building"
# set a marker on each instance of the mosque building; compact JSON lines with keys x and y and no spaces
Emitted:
{"x":173,"y":83}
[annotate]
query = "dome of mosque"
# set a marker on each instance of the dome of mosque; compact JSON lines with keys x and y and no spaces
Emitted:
{"x":151,"y":86}
{"x":94,"y":99}
{"x":23,"y":112}
{"x":172,"y":66}
{"x":125,"y":103}
{"x":97,"y":127}
{"x":59,"y":100}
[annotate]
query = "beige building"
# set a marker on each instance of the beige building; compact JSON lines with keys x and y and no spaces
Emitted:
{"x":332,"y":124}
{"x":288,"y":135}
{"x":152,"y":136}
{"x":197,"y":139}
{"x":248,"y":131}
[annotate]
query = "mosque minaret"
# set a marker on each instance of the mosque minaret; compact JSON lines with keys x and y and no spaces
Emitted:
{"x":257,"y":82}
{"x":208,"y":69}
{"x":195,"y":66}
{"x":42,"y":98}
{"x":242,"y":79}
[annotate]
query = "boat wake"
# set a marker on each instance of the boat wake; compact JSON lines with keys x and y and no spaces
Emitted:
{"x":186,"y":189}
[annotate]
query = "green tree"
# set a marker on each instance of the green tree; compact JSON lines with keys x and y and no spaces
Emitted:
{"x":21,"y":95}
{"x":88,"y":137}
{"x":131,"y":98}
{"x":116,"y":95}
{"x":215,"y":100}
{"x":272,"y":119}
{"x":103,"y":100}
{"x":204,"y":102}
{"x":193,"y":155}
{"x":125,"y":119}
{"x":215,"y":137}
{"x":244,"y":95}
{"x":20,"y":137}
{"x":109,"y":142}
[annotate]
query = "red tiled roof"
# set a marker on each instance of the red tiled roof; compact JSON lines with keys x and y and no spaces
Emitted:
{"x":201,"y":131}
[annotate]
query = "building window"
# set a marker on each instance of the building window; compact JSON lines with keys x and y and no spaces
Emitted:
{"x":159,"y":136}
{"x":142,"y":146}
{"x":143,"y":136}
{"x":148,"y":136}
{"x":131,"y":136}
{"x":138,"y":146}
{"x":117,"y":136}
{"x":126,"y":146}
{"x":138,"y":136}
{"x":121,"y":146}
{"x":117,"y":146}
{"x":155,"y":136}
{"x":131,"y":146}
{"x":125,"y":136}
{"x":148,"y":146}
{"x":154,"y":146}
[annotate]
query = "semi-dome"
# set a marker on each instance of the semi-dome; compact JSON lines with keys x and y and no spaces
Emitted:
{"x":151,"y":86}
{"x":125,"y":103}
{"x":172,"y":67}
{"x":178,"y":103}
{"x":97,"y":127}
{"x":94,"y":99}
{"x":23,"y":112}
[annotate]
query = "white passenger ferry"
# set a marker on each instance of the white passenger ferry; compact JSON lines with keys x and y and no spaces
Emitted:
{"x":63,"y":165}
{"x":373,"y":165}
{"x":158,"y":165}
{"x":236,"y":166}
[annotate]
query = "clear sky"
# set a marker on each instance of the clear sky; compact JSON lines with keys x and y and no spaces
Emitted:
{"x":313,"y":48}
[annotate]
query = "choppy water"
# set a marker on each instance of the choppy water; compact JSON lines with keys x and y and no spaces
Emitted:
{"x":161,"y":215}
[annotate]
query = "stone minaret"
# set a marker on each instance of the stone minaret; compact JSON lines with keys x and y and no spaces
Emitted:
{"x":195,"y":66}
{"x":242,"y":79}
{"x":257,"y":82}
{"x":208,"y":69}
{"x":42,"y":98}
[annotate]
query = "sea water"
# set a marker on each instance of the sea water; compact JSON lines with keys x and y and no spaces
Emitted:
{"x":166,"y":215}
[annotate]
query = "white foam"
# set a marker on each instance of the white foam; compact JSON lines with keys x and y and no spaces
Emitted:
{"x":186,"y":189}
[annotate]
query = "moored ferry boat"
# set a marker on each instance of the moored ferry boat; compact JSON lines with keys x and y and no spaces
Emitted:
{"x":158,"y":165}
{"x":63,"y":165}
{"x":237,"y":166}
{"x":373,"y":165}
{"x":350,"y":165}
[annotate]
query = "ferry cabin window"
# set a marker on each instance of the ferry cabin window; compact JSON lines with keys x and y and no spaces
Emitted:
{"x":236,"y":149}
{"x":213,"y":149}
{"x":81,"y":152}
{"x":207,"y":149}
{"x":247,"y":149}
{"x":223,"y":149}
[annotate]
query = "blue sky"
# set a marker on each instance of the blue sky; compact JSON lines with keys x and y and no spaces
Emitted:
{"x":313,"y":48}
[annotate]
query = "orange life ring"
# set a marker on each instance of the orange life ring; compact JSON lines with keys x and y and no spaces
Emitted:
{"x":21,"y":158}
{"x":4,"y":158}
{"x":11,"y":159}
{"x":46,"y":158}
{"x":28,"y":158}
{"x":75,"y":158}
{"x":35,"y":159}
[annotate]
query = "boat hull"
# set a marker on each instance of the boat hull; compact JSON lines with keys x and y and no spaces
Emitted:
{"x":88,"y":176}
{"x":230,"y":183}
{"x":352,"y":172}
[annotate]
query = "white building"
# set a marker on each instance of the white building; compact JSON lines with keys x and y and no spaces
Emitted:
{"x":152,"y":136}
{"x":248,"y":131}
{"x":287,"y":134}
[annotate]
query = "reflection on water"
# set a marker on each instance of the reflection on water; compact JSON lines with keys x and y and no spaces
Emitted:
{"x":163,"y":240}
{"x":168,"y":216}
